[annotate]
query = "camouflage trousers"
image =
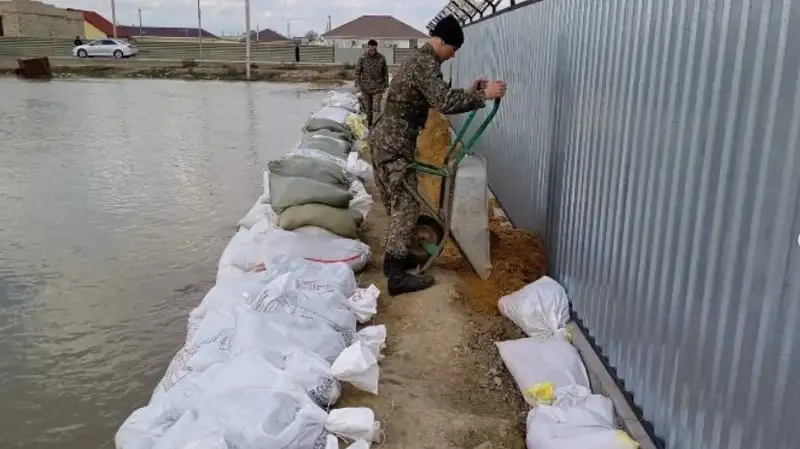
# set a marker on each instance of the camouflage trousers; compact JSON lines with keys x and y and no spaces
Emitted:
{"x":393,"y":180}
{"x":371,"y":105}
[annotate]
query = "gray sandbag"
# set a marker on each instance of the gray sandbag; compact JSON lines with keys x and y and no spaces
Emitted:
{"x":342,"y":222}
{"x":343,"y":136}
{"x":288,"y":191}
{"x":306,"y":167}
{"x":329,"y":145}
{"x":317,"y":124}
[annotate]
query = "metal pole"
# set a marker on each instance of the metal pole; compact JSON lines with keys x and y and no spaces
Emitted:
{"x":247,"y":39}
{"x":200,"y":30}
{"x":114,"y":17}
{"x":140,"y":22}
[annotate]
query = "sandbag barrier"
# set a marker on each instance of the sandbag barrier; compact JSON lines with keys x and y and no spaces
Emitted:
{"x":269,"y":344}
{"x":550,"y":373}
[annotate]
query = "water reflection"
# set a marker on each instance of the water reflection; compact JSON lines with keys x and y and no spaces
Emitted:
{"x":118,"y":197}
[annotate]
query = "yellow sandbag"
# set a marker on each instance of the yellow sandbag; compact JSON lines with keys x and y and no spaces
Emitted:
{"x":340,"y":221}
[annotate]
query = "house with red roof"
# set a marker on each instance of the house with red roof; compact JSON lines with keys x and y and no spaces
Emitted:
{"x":96,"y":26}
{"x":388,"y":31}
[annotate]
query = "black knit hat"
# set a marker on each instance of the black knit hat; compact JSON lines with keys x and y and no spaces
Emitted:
{"x":449,"y":31}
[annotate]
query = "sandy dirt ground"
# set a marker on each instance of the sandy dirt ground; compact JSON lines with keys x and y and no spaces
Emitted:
{"x":443,"y":384}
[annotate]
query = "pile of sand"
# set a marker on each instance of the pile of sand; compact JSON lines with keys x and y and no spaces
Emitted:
{"x":518,"y":256}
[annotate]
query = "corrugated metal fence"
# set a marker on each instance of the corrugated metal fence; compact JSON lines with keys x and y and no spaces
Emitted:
{"x":655,"y":144}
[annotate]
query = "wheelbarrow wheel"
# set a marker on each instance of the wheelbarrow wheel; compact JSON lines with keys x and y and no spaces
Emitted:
{"x":427,"y":235}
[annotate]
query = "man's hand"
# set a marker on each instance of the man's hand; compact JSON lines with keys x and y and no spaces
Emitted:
{"x":480,"y":83}
{"x":494,"y":90}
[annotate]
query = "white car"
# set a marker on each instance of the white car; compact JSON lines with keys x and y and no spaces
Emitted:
{"x":106,"y":48}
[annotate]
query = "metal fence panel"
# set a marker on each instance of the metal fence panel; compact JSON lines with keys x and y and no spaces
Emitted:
{"x":351,"y":55}
{"x":655,"y":144}
{"x":158,"y":49}
{"x":400,"y":54}
{"x":314,"y":53}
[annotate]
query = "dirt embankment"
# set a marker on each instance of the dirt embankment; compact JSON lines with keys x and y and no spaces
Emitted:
{"x":443,"y":384}
{"x":191,"y":70}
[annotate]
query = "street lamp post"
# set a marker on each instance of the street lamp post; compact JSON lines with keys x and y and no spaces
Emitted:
{"x":200,"y":30}
{"x":114,"y":18}
{"x":247,"y":39}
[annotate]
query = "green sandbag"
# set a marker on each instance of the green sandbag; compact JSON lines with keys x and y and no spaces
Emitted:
{"x":288,"y":191}
{"x":337,"y":220}
{"x":307,"y":167}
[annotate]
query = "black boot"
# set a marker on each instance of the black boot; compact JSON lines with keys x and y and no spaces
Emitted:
{"x":400,"y":282}
{"x":409,"y":262}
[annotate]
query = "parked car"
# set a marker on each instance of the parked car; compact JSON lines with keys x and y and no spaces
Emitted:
{"x":106,"y":48}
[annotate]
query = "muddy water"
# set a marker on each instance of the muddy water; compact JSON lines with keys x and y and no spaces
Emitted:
{"x":117,"y":197}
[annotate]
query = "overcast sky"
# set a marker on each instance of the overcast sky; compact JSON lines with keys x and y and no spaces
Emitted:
{"x":227,"y":16}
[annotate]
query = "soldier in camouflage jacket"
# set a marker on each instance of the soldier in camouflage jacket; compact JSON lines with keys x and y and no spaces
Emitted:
{"x":417,"y":87}
{"x":372,"y":78}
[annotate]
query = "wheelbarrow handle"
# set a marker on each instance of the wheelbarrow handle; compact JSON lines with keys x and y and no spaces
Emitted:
{"x":467,"y":148}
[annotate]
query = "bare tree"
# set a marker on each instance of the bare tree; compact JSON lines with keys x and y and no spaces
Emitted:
{"x":311,"y":36}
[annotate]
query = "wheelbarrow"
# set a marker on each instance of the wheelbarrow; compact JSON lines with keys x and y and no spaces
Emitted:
{"x":463,"y":206}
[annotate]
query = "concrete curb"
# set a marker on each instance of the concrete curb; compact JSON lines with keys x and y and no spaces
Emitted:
{"x":602,"y":382}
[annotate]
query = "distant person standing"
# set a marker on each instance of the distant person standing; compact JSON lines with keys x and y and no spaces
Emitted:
{"x":77,"y":41}
{"x":372,"y":79}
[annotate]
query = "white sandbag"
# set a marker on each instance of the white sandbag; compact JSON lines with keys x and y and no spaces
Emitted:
{"x":224,"y":269}
{"x":342,"y":100}
{"x":318,"y":248}
{"x":332,"y":277}
{"x":364,"y":303}
{"x":540,"y":366}
{"x":326,"y":292}
{"x":373,"y":338}
{"x":258,"y":212}
{"x":286,"y":295}
{"x":185,"y":434}
{"x":577,"y":419}
{"x":540,"y":309}
{"x":358,"y":365}
{"x":360,"y":444}
{"x":181,"y":387}
{"x":274,"y":419}
{"x":243,"y":241}
{"x":254,"y":329}
{"x":337,"y":114}
{"x":359,"y":167}
{"x":144,"y":428}
{"x":362,"y":200}
{"x":265,"y":196}
{"x":305,"y":368}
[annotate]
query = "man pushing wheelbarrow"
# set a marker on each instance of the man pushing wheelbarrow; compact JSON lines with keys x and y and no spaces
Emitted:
{"x":417,"y":87}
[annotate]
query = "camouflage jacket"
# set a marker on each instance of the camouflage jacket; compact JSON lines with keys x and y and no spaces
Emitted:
{"x":372,"y":73}
{"x":417,"y":87}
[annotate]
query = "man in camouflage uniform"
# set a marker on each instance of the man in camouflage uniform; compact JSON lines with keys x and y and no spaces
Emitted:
{"x":417,"y":87}
{"x":372,"y":79}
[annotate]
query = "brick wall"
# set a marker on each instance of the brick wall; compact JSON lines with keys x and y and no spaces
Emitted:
{"x":26,"y":18}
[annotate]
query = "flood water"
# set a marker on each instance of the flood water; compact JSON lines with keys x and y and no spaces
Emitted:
{"x":116,"y":200}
